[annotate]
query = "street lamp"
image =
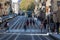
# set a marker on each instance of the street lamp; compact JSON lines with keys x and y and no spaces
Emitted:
{"x":10,"y":9}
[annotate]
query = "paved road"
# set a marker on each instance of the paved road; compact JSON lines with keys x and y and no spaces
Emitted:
{"x":18,"y":36}
{"x":10,"y":21}
{"x":18,"y":26}
{"x":16,"y":31}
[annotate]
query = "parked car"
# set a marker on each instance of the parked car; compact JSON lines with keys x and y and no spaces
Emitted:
{"x":10,"y":16}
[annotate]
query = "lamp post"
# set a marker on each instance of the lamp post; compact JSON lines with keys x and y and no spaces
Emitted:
{"x":10,"y":9}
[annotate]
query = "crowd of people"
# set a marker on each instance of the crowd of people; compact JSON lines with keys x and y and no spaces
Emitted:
{"x":27,"y":23}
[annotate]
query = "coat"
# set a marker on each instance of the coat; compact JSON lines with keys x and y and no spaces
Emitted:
{"x":56,"y":16}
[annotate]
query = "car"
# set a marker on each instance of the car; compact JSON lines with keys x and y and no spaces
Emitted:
{"x":1,"y":20}
{"x":29,"y":13}
{"x":10,"y":16}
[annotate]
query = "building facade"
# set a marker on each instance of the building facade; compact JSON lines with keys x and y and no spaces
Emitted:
{"x":15,"y":6}
{"x":56,"y":15}
{"x":54,"y":6}
{"x":4,"y":7}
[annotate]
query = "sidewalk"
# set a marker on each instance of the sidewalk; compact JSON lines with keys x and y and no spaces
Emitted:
{"x":55,"y":36}
{"x":27,"y":30}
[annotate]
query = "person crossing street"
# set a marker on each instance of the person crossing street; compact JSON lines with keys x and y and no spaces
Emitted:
{"x":41,"y":26}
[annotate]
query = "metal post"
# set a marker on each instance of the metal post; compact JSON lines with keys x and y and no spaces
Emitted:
{"x":10,"y":6}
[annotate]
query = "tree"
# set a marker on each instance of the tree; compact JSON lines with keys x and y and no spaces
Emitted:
{"x":27,"y":5}
{"x":31,"y":7}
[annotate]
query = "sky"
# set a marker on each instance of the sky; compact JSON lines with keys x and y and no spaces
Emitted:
{"x":16,"y":0}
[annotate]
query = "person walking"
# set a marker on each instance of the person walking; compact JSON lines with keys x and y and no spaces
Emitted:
{"x":33,"y":22}
{"x":27,"y":23}
{"x":52,"y":24}
{"x":57,"y":28}
{"x":25,"y":26}
{"x":30,"y":21}
{"x":57,"y":17}
{"x":45,"y":23}
{"x":41,"y":26}
{"x":6,"y":26}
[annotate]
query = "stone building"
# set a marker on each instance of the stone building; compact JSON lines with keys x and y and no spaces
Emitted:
{"x":15,"y":6}
{"x":54,"y":6}
{"x":4,"y":7}
{"x":56,"y":15}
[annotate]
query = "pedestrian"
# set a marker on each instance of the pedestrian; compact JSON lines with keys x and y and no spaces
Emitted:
{"x":33,"y":22}
{"x":27,"y":23}
{"x":25,"y":26}
{"x":57,"y":27}
{"x":52,"y":25}
{"x":55,"y":20}
{"x":30,"y":21}
{"x":41,"y":26}
{"x":6,"y":25}
{"x":45,"y":23}
{"x":57,"y":17}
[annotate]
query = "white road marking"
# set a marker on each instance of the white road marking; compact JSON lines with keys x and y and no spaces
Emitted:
{"x":17,"y":37}
{"x":4,"y":37}
{"x":37,"y":34}
{"x":27,"y":34}
{"x":14,"y":20}
{"x":47,"y":38}
{"x":19,"y":33}
{"x":32,"y":37}
{"x":39,"y":37}
{"x":9,"y":37}
{"x":17,"y":23}
{"x":21,"y":23}
{"x":31,"y":33}
{"x":14,"y":24}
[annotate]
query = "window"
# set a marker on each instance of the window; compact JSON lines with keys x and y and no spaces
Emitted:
{"x":7,"y":3}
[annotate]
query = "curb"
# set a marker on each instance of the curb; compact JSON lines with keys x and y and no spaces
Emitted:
{"x":55,"y":38}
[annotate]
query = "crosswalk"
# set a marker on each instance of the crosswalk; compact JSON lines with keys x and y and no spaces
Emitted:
{"x":16,"y":31}
{"x":18,"y":27}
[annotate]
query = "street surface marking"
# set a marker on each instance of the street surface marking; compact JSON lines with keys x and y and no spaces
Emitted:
{"x":14,"y":24}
